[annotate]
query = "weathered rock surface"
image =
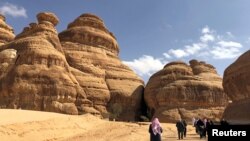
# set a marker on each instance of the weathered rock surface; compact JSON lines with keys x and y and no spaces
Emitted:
{"x":7,"y":60}
{"x":236,"y":83}
{"x":92,"y":52}
{"x":7,"y":32}
{"x":8,"y":56}
{"x":180,"y":90}
{"x":38,"y":76}
{"x":80,"y":73}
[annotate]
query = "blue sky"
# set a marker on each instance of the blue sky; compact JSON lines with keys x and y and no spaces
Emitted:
{"x":152,"y":33}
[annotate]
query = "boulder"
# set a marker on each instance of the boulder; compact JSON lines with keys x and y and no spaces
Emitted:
{"x":92,"y":52}
{"x":185,"y":91}
{"x":237,"y":86}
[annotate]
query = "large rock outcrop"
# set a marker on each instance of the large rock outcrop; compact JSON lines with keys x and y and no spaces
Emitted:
{"x":39,"y":77}
{"x":7,"y":32}
{"x":92,"y":52}
{"x":80,"y":73}
{"x":180,"y":90}
{"x":7,"y":56}
{"x":236,"y":83}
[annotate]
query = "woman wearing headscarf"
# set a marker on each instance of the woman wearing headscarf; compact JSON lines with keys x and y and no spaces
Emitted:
{"x":155,"y":130}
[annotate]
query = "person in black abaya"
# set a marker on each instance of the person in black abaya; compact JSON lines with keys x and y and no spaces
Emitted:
{"x":200,"y":127}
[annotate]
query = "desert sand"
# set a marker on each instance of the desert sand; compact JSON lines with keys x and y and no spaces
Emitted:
{"x":24,"y":125}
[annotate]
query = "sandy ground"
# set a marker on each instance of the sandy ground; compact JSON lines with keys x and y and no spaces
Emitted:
{"x":23,"y":125}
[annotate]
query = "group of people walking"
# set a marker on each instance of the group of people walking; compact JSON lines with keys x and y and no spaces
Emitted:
{"x":201,"y":126}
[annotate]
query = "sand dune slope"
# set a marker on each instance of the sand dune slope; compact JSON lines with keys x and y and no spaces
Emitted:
{"x":22,"y":125}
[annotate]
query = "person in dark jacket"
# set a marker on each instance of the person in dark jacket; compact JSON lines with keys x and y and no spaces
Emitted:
{"x":180,"y":129}
{"x":155,"y":130}
{"x":185,"y":127}
{"x":209,"y":123}
{"x":206,"y":125}
{"x":201,"y":127}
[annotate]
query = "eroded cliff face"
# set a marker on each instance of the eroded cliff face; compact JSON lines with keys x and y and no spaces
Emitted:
{"x":39,"y":77}
{"x":92,"y":52}
{"x":7,"y":59}
{"x":80,"y":73}
{"x":237,"y":86}
{"x":180,"y":90}
{"x":7,"y":56}
{"x":7,"y":32}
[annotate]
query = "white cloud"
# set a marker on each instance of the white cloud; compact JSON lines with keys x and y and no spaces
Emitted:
{"x":225,"y":53}
{"x":194,"y":48}
{"x":229,"y":44}
{"x":185,"y":52}
{"x":226,"y":50}
{"x":219,"y":37}
{"x":207,"y":37}
{"x":230,"y":34}
{"x":178,"y":53}
{"x":145,"y":65}
{"x":210,"y":45}
{"x":167,"y":55}
{"x":13,"y":10}
{"x":205,"y":30}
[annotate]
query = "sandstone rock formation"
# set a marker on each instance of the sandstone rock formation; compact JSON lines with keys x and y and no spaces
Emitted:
{"x":7,"y":56}
{"x":7,"y":32}
{"x":236,"y":83}
{"x":80,"y":73}
{"x":39,"y":76}
{"x":7,"y":60}
{"x":180,"y":90}
{"x":92,"y":52}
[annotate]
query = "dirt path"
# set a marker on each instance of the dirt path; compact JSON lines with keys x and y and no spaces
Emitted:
{"x":24,"y":125}
{"x":131,"y":132}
